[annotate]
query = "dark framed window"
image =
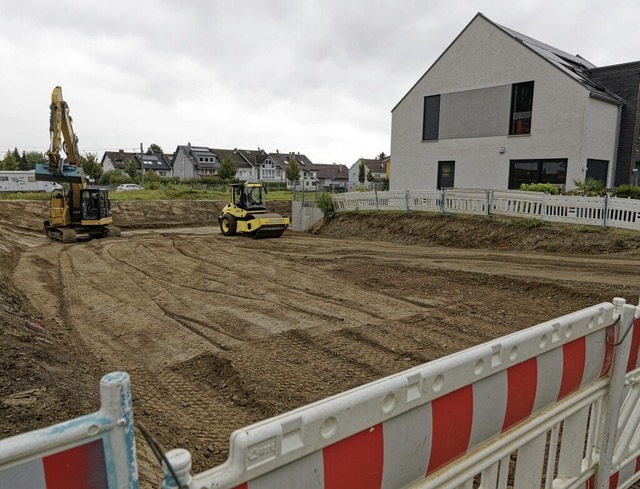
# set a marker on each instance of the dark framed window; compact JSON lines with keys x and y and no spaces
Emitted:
{"x":521,"y":108}
{"x":431,"y":118}
{"x":446,"y":174}
{"x":537,"y":171}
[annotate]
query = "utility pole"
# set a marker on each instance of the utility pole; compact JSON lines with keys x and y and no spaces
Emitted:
{"x":142,"y":163}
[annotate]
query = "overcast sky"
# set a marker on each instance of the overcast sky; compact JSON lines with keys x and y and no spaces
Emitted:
{"x":317,"y":77}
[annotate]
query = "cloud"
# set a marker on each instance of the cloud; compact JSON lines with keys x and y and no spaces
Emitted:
{"x":316,"y":77}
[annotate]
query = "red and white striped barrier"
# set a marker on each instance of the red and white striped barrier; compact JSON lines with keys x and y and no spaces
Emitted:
{"x":79,"y":467}
{"x":96,"y":451}
{"x":402,"y":429}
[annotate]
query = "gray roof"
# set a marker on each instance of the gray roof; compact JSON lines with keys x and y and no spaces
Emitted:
{"x":335,"y":171}
{"x":237,"y":158}
{"x":153,"y":162}
{"x":574,"y":66}
{"x":282,"y":159}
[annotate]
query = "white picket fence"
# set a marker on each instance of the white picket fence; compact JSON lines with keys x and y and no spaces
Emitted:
{"x":554,"y":406}
{"x":592,"y":211}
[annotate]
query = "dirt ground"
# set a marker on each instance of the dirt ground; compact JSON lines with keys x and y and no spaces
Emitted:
{"x":218,"y":333}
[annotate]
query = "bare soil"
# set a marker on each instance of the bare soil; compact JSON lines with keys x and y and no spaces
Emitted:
{"x":218,"y":333}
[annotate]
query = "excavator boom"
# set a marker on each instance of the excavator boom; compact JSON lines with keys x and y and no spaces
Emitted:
{"x":78,"y":212}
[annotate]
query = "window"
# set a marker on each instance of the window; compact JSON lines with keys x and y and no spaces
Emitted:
{"x":431,"y":121}
{"x":521,"y":108}
{"x":537,"y":171}
{"x":446,"y":172}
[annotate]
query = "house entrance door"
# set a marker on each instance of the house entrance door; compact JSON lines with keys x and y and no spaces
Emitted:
{"x":597,"y":169}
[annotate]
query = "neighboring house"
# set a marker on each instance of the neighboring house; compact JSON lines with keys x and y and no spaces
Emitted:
{"x":156,"y":163}
{"x":378,"y":169}
{"x":498,"y":109}
{"x":194,"y":161}
{"x":335,"y":175}
{"x":117,"y":160}
{"x":308,"y":173}
{"x":241,"y":157}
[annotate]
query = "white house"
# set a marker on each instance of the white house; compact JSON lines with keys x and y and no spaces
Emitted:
{"x":378,"y":169}
{"x":498,"y":109}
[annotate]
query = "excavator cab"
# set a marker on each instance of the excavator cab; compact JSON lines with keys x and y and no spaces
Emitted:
{"x":95,"y":204}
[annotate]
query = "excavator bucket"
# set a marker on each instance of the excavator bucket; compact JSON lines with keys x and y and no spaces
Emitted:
{"x":67,"y":174}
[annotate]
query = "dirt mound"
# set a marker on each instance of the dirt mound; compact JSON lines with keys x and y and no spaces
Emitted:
{"x":418,"y":228}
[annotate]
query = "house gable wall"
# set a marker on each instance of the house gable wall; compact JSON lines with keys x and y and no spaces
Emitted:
{"x":484,"y":60}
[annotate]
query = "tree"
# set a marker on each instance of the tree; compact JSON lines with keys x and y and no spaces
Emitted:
{"x":9,"y":162}
{"x":381,"y":156}
{"x":155,"y":149}
{"x":370,"y":177}
{"x":228,"y":168}
{"x":23,"y":164}
{"x":362,"y":172}
{"x":131,"y":169}
{"x":91,"y":166}
{"x":35,"y":157}
{"x":292,"y":172}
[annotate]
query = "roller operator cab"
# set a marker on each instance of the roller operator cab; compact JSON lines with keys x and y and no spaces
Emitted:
{"x":247,"y":213}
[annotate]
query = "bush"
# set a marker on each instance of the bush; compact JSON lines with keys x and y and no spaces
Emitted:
{"x":589,"y":188}
{"x":547,"y":188}
{"x":113,"y":178}
{"x":627,"y":192}
{"x":324,"y":201}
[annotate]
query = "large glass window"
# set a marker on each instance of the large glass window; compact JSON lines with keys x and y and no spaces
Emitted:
{"x":431,"y":118}
{"x":521,"y":108}
{"x":537,"y":171}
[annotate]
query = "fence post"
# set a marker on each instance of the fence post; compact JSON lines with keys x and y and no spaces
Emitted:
{"x":616,"y":392}
{"x":442,"y":196}
{"x":375,"y":192}
{"x":605,"y":206}
{"x":406,"y":199}
{"x":489,"y":201}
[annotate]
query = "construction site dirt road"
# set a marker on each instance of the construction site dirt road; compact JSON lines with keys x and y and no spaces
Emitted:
{"x":217,"y":333}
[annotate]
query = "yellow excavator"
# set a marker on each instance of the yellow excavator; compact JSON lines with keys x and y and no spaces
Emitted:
{"x":247,"y":213}
{"x":76,"y":211}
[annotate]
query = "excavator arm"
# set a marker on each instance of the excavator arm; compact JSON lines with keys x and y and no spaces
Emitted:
{"x":61,"y":125}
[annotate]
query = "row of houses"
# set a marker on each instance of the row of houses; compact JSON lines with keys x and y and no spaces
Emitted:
{"x":499,"y":108}
{"x":189,"y":162}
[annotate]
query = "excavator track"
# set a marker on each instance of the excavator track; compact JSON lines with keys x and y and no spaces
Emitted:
{"x":66,"y":235}
{"x":112,"y":231}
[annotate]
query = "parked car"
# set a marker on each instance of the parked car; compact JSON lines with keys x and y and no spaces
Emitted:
{"x":128,"y":186}
{"x":336,"y":187}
